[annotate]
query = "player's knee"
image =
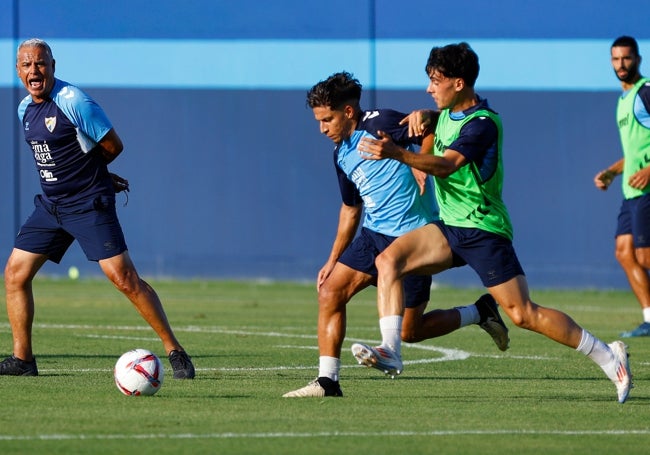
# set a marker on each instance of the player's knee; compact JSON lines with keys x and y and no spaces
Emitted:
{"x":523,"y":316}
{"x":330,"y":299}
{"x":126,"y":282}
{"x":520,"y":320}
{"x":410,"y":335}
{"x":387,"y":265}
{"x":622,"y":256}
{"x":15,"y":277}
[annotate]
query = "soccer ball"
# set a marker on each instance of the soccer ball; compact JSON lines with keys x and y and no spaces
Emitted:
{"x":138,"y":372}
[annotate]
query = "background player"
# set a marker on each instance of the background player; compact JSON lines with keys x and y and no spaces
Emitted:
{"x":633,"y":229}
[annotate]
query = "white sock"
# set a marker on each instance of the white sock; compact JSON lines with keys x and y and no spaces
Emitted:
{"x":329,"y":367}
{"x":391,"y":333}
{"x":599,"y":352}
{"x":646,"y":314}
{"x":468,"y":315}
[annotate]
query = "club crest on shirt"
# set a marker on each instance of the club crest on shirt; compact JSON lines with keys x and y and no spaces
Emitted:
{"x":50,"y":123}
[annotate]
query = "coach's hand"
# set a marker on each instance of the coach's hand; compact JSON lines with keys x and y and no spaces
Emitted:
{"x":119,"y":184}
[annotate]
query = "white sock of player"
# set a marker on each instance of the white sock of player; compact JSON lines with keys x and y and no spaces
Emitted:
{"x":329,"y":367}
{"x":391,"y":333}
{"x":468,"y":315}
{"x":646,"y":314}
{"x":599,"y":352}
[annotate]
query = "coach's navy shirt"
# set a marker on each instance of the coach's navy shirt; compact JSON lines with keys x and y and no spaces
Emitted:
{"x":63,"y":132}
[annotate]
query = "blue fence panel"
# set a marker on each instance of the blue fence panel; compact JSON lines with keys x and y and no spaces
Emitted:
{"x":229,"y":175}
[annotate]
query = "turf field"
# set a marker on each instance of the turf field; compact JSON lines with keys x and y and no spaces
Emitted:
{"x":251,"y":342}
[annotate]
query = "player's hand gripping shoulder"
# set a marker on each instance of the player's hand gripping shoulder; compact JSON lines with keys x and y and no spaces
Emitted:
{"x":379,"y":149}
{"x":421,"y":122}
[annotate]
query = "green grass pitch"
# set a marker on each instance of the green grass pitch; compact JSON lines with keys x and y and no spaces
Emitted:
{"x":251,"y":342}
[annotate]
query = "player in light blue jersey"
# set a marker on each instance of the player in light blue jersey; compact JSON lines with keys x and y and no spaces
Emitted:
{"x":392,"y":202}
{"x":72,"y":142}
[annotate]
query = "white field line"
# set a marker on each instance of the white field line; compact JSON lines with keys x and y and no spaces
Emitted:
{"x":447,"y":354}
{"x":324,"y":434}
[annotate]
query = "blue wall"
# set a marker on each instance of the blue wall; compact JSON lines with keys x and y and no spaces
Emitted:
{"x":229,"y":175}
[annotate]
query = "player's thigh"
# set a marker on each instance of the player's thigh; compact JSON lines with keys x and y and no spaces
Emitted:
{"x":423,"y":250}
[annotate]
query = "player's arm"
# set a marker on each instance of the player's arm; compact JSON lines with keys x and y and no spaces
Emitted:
{"x":425,"y":148}
{"x":605,"y":178}
{"x":349,"y":219}
{"x":110,"y":146}
{"x":440,"y":166}
{"x":641,"y":178}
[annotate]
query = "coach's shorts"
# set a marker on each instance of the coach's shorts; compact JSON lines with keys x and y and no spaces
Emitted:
{"x":634,"y":218}
{"x":492,"y":256}
{"x":361,"y":255}
{"x":51,"y":229}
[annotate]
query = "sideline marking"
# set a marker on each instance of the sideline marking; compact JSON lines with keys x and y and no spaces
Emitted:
{"x":447,"y":353}
{"x":324,"y":434}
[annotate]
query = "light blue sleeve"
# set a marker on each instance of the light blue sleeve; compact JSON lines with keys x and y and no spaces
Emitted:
{"x":22,"y":107}
{"x":91,"y":122}
{"x":642,"y":105}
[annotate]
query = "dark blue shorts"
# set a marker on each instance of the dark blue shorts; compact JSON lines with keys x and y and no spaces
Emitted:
{"x":361,"y":255}
{"x":51,"y":229}
{"x":492,"y":256}
{"x":634,"y":218}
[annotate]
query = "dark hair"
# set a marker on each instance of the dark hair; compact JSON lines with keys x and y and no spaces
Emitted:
{"x":627,"y":41}
{"x":335,"y":91}
{"x":454,"y":60}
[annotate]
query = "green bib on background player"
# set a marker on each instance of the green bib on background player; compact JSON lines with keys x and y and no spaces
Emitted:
{"x":635,"y":139}
{"x":464,"y":199}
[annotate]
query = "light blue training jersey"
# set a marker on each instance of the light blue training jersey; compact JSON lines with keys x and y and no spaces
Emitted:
{"x":391,"y":197}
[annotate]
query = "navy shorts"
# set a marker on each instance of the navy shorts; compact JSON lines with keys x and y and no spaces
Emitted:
{"x":634,"y":218}
{"x":492,"y":256}
{"x":51,"y":229}
{"x":361,"y":255}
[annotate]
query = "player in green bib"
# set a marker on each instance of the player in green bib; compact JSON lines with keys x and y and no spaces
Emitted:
{"x":633,"y":228}
{"x":475,"y":228}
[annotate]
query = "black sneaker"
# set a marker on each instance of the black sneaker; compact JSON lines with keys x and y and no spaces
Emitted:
{"x":318,"y":388}
{"x":332,"y":388}
{"x":13,"y":366}
{"x":181,"y":364}
{"x":491,"y":321}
